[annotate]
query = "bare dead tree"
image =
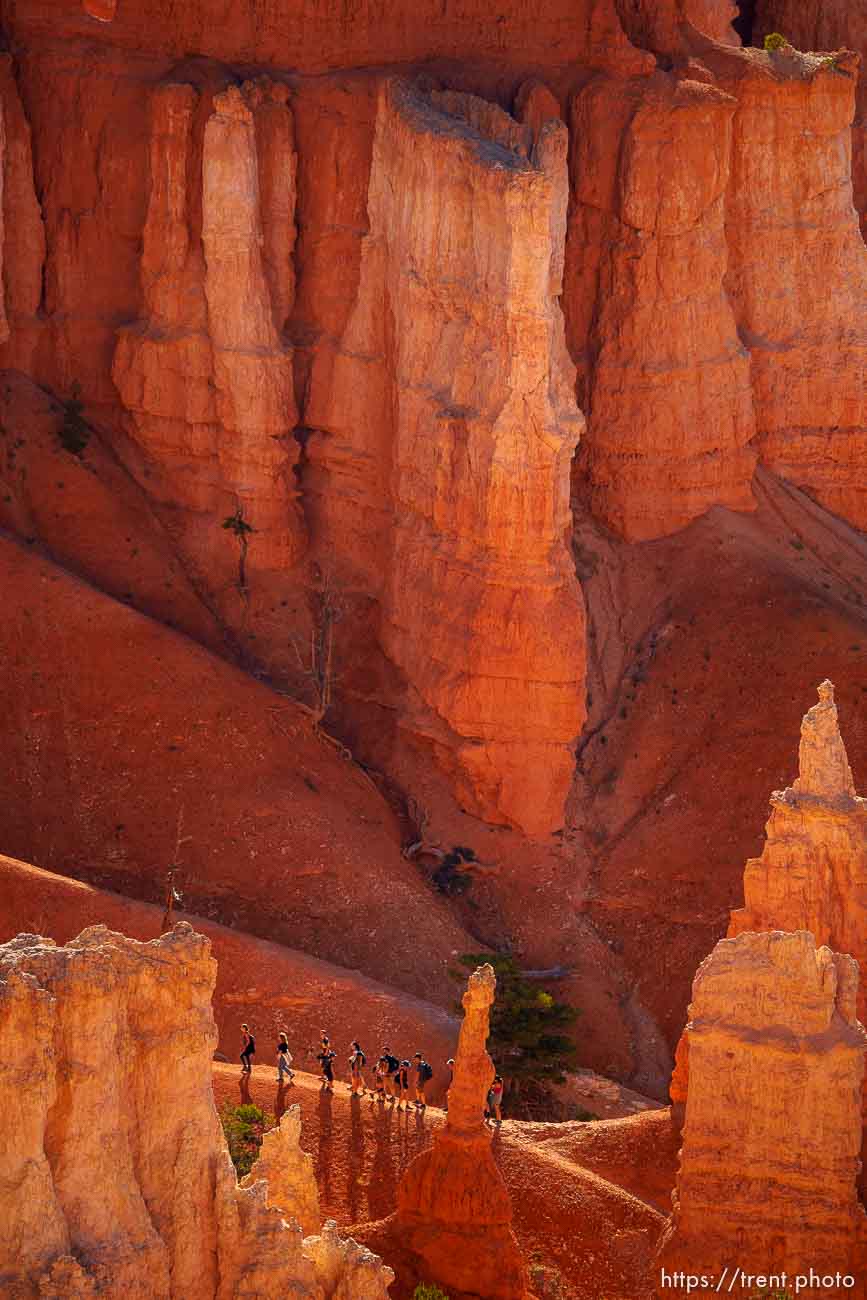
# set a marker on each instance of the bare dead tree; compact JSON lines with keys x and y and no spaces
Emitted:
{"x":318,"y":667}
{"x":172,"y":895}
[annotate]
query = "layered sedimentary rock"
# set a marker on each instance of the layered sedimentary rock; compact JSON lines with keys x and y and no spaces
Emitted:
{"x":206,"y":375}
{"x":773,"y":1118}
{"x":289,"y":1173}
{"x":22,"y":232}
{"x":797,"y":275}
{"x":115,"y":1178}
{"x":446,"y":435}
{"x":453,"y":1208}
{"x":663,"y":375}
{"x":826,"y":25}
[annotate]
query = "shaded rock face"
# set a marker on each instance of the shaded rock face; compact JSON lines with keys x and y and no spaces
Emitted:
{"x":453,"y":1209}
{"x":803,"y":311}
{"x":117,"y":1179}
{"x":206,"y":377}
{"x":773,"y":1118}
{"x":447,"y":426}
{"x":663,"y":375}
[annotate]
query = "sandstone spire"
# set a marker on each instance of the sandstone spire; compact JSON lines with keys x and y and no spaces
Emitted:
{"x":473,"y":1069}
{"x":114,"y":1176}
{"x":812,"y":874}
{"x":453,"y":1210}
{"x":773,"y":1121}
{"x":824,"y":768}
{"x":289,"y":1173}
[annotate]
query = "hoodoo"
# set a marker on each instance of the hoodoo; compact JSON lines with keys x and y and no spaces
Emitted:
{"x":812,"y":874}
{"x":453,"y":1208}
{"x":767,"y":1178}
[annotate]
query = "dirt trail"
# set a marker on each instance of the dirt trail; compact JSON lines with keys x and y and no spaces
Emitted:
{"x":573,"y":1223}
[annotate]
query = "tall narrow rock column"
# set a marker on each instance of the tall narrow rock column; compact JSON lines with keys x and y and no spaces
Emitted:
{"x":773,"y":1119}
{"x":453,"y":1208}
{"x":450,"y":417}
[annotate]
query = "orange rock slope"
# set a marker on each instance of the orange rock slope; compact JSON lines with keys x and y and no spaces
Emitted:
{"x":130,"y":748}
{"x":266,"y":985}
{"x":767,"y":1178}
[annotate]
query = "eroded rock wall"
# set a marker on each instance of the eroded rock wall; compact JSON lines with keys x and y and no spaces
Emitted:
{"x":812,"y":873}
{"x":797,"y":276}
{"x":773,"y":1117}
{"x":663,"y":375}
{"x":206,"y":376}
{"x":826,"y":25}
{"x":116,"y":1180}
{"x":452,"y":399}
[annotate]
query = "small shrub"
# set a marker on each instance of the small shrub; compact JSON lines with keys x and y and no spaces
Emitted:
{"x":774,"y":41}
{"x":74,"y":432}
{"x":448,"y":877}
{"x":243,"y":1127}
{"x":238,"y":525}
{"x":428,"y":1291}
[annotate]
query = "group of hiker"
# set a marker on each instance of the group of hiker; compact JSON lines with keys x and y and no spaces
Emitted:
{"x":393,"y":1079}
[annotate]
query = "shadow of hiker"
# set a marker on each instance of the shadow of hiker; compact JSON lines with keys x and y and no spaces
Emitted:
{"x":244,"y":1088}
{"x":325,"y":1144}
{"x":280,"y":1102}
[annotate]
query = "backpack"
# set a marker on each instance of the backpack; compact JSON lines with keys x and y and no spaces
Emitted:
{"x":426,"y":1071}
{"x":392,"y":1062}
{"x":251,"y":1045}
{"x":359,"y":1059}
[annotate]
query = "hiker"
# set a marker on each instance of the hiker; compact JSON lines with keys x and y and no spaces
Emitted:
{"x":356,"y":1069}
{"x":248,"y":1050}
{"x":325,"y":1057}
{"x":495,"y":1101}
{"x":451,"y":1066}
{"x":423,"y":1073}
{"x":403,"y":1085}
{"x":379,"y":1073}
{"x":392,"y":1065}
{"x":284,"y":1059}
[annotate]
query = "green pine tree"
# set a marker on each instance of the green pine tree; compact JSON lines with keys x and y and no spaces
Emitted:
{"x":529,"y":1042}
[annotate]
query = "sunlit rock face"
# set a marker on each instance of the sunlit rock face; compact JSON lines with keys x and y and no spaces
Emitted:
{"x":772,"y":1133}
{"x":445,"y":436}
{"x":116,"y":1180}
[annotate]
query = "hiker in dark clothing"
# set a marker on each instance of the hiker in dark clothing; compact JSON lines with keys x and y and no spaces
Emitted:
{"x":379,"y":1075}
{"x":356,"y":1069}
{"x":495,"y":1101}
{"x":423,"y":1073}
{"x":325,"y":1058}
{"x":403,"y":1085}
{"x":392,"y":1065}
{"x":248,"y":1050}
